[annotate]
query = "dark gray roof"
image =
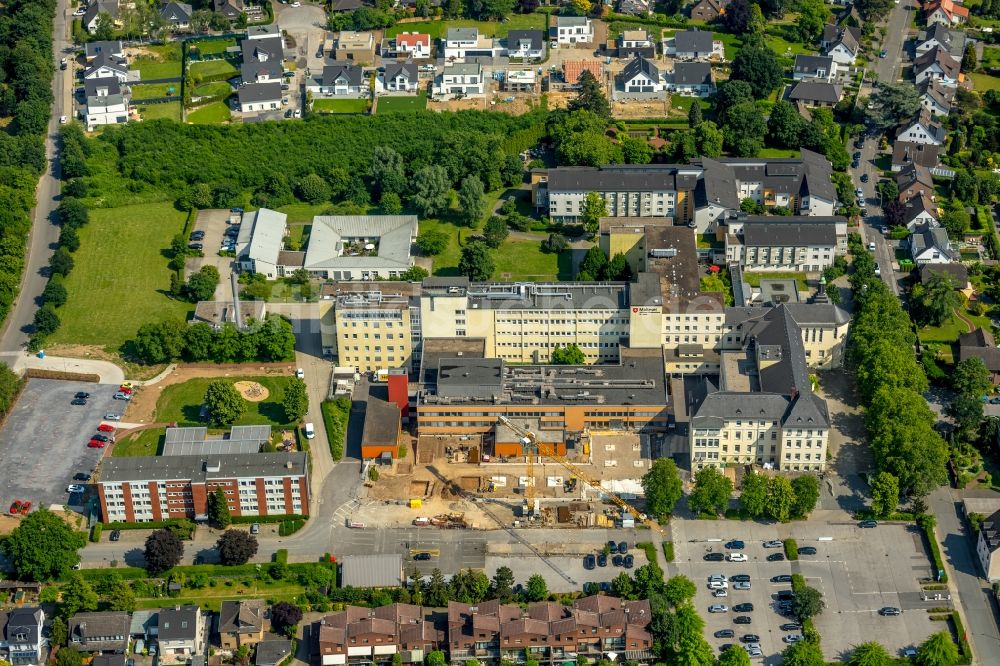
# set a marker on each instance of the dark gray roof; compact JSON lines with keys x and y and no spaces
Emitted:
{"x":108,"y":660}
{"x":241,"y":616}
{"x":252,"y":70}
{"x":93,"y":632}
{"x":94,"y":49}
{"x":933,"y":238}
{"x":178,"y":12}
{"x":350,"y":72}
{"x":259,"y":92}
{"x":717,"y":186}
{"x":952,"y":40}
{"x":94,"y":9}
{"x":24,"y":621}
{"x":105,"y":59}
{"x":939,"y":56}
{"x":959,"y":274}
{"x":808,"y":64}
{"x":409,"y":69}
{"x":201,"y":468}
{"x":178,"y":623}
{"x":110,"y":83}
{"x":805,"y":314}
{"x":614,"y":177}
{"x":381,"y":423}
{"x":816,"y":91}
{"x":536,"y":38}
{"x":763,"y":234}
{"x":906,"y":152}
{"x":692,"y":41}
{"x":638,"y":66}
{"x":271,"y":651}
{"x":693,"y":73}
{"x":548,"y":296}
{"x":265,"y":48}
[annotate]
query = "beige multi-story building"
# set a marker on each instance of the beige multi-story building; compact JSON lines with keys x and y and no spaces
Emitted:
{"x":372,"y":325}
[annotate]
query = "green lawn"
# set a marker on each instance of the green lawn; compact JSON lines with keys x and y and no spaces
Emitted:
{"x":120,"y":278}
{"x":143,"y":443}
{"x":753,"y":279}
{"x":213,"y":89}
{"x":341,"y":105}
{"x":778,"y":152}
{"x":416,"y":102}
{"x":984,"y":82}
{"x":437,"y":29}
{"x":216,"y":112}
{"x":156,"y":90}
{"x":211,"y":46}
{"x":165,"y":62}
{"x":991,"y":57}
{"x":167,"y":110}
{"x":211,"y":68}
{"x":302,"y":212}
{"x":181,"y":403}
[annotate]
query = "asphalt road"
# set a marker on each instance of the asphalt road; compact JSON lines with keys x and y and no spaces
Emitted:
{"x":44,"y":231}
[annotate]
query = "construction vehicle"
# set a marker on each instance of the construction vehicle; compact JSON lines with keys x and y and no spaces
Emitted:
{"x":529,"y":444}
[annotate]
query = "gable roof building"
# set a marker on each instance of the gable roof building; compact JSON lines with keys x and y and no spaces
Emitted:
{"x":338,"y":78}
{"x":953,"y":41}
{"x":945,"y":12}
{"x":113,"y":48}
{"x":920,"y":212}
{"x":241,"y":623}
{"x":931,"y":246}
{"x":272,"y":651}
{"x":105,"y":65}
{"x":816,"y":93}
{"x":808,"y":67}
{"x":708,"y":10}
{"x":841,"y":43}
{"x":358,"y":247}
{"x":176,"y":14}
{"x":529,"y":44}
{"x":922,"y":129}
{"x":641,"y":75}
{"x":22,"y":633}
{"x":261,"y":237}
{"x":94,"y":10}
{"x":988,"y":546}
{"x":99,"y":632}
{"x":936,"y":97}
{"x":937,"y":65}
{"x":914,"y":180}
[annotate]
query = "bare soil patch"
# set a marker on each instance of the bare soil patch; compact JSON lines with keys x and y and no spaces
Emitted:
{"x":252,"y":391}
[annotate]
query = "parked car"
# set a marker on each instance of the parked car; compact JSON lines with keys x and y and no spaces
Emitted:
{"x":750,"y":638}
{"x":742,"y":619}
{"x":81,"y":476}
{"x":717,"y":577}
{"x":864,"y":178}
{"x":718,"y":608}
{"x":95,"y":444}
{"x":717,"y":585}
{"x":775,"y":557}
{"x":301,"y":374}
{"x":736,"y":557}
{"x":309,"y":430}
{"x":105,"y":427}
{"x":793,"y":638}
{"x":15,"y":507}
{"x":743,"y":608}
{"x":602,"y":560}
{"x":774,"y":543}
{"x":740,"y":578}
{"x":890,"y":611}
{"x":197,"y":235}
{"x":82,"y":395}
{"x":628,"y":562}
{"x":78,"y":401}
{"x":735,"y":544}
{"x":714,"y":557}
{"x":807,"y":550}
{"x":255,"y":528}
{"x":782,"y":578}
{"x":741,"y":585}
{"x":120,"y":395}
{"x":116,"y":535}
{"x":868,"y":524}
{"x":725,"y":633}
{"x":589,"y":562}
{"x":111,"y":416}
{"x":721,"y":592}
{"x":791,"y":626}
{"x":102,"y":437}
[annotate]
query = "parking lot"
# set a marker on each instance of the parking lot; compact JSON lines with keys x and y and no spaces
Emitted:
{"x":214,"y":223}
{"x":44,"y":440}
{"x":858,"y":571}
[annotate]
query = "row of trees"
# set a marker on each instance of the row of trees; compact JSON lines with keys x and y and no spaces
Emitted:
{"x":269,"y":340}
{"x":164,"y":549}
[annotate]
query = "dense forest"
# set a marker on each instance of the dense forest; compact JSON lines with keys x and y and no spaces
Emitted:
{"x":25,"y":98}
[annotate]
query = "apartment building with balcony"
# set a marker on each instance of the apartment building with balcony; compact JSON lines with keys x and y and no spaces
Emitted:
{"x":786,"y":246}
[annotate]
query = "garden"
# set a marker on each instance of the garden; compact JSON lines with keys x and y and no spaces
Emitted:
{"x":210,"y":114}
{"x":341,"y":105}
{"x":159,"y":62}
{"x":396,"y":104}
{"x":182,"y":403}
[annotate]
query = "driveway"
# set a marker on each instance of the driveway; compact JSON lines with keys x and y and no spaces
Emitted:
{"x":43,"y":443}
{"x":214,"y":223}
{"x":307,"y":26}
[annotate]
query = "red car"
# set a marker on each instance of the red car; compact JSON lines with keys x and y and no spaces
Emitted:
{"x":124,"y":389}
{"x":105,"y":427}
{"x":15,"y":508}
{"x":95,"y":444}
{"x":25,"y":507}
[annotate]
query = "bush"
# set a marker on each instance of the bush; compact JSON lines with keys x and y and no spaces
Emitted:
{"x":668,"y":550}
{"x":963,"y":642}
{"x":289,"y":527}
{"x":281,"y":556}
{"x":928,"y":528}
{"x":791,"y":549}
{"x":335,"y":416}
{"x":183,"y":528}
{"x":95,"y":533}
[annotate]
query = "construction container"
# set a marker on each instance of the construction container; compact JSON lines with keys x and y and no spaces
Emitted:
{"x":416,"y":503}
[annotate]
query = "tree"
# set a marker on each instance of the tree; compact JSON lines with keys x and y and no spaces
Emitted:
{"x":621,"y":586}
{"x":780,"y":498}
{"x":571,"y":354}
{"x":436,"y":594}
{"x":971,"y":377}
{"x":536,"y":589}
{"x":662,"y":486}
{"x":218,"y":509}
{"x":502,"y":585}
{"x":495,"y":231}
{"x":870,"y":654}
{"x":695,"y":116}
{"x":756,"y":22}
{"x":592,"y":210}
{"x":757,"y":65}
{"x":431,"y":190}
{"x":937,"y":299}
{"x":593,"y":266}
{"x":201,"y":285}
{"x":812,"y":18}
{"x":734,"y":655}
{"x":730,"y":94}
{"x":285,"y":617}
{"x":784,"y":125}
{"x":807,"y":602}
{"x":885,"y":494}
{"x":432,"y":241}
{"x":580,"y":7}
{"x":743,"y":133}
{"x":58,"y":633}
{"x":476,"y":262}
{"x":77,"y":596}
{"x":803,"y":653}
{"x":46,"y":321}
{"x":708,"y":139}
{"x":387,"y":171}
{"x":938,"y":650}
{"x":806,"y":489}
{"x":555,"y":243}
{"x":121,"y":597}
{"x":225,"y":404}
{"x":55,"y":293}
{"x":236,"y":547}
{"x":969,"y":60}
{"x":296,"y":400}
{"x":753,"y":496}
{"x":967,"y":411}
{"x":873,"y":9}
{"x":955,"y":221}
{"x":313,"y":189}
{"x":163,"y":551}
{"x":649,"y":581}
{"x":711,"y":491}
{"x":893,"y":103}
{"x":42,"y":547}
{"x":679,"y":591}
{"x":471,"y":200}
{"x":590,"y":96}
{"x":61,"y":262}
{"x":69,"y":657}
{"x":636,"y":151}
{"x":390,"y":203}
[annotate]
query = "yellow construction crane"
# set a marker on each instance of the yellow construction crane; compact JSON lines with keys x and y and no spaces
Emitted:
{"x":529,"y":444}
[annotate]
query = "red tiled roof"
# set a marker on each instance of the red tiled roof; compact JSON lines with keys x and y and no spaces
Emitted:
{"x":412,"y":38}
{"x":572,"y":69}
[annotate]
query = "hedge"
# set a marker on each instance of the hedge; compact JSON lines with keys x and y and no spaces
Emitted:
{"x":649,"y":549}
{"x":963,"y":642}
{"x":185,"y":528}
{"x":935,"y":551}
{"x":289,"y":527}
{"x":281,"y":556}
{"x":95,"y":533}
{"x":791,"y":549}
{"x":668,"y":550}
{"x":336,"y":414}
{"x":249,"y":520}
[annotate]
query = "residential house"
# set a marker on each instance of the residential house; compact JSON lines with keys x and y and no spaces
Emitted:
{"x":340,"y":6}
{"x":105,"y":103}
{"x":413,"y":44}
{"x":461,"y":44}
{"x":182,"y":633}
{"x":526,"y":44}
{"x":375,"y":634}
{"x":22,"y":635}
{"x":699,"y":45}
{"x":952,"y":41}
{"x":176,"y":14}
{"x":957,"y":273}
{"x":263,"y":59}
{"x":633,"y":7}
{"x":841,"y":43}
{"x":340,"y":79}
{"x":399,"y":77}
{"x":241,"y":623}
{"x":905,"y":153}
{"x":922,"y":129}
{"x":255,"y":97}
{"x":634,"y":43}
{"x":980,"y":344}
{"x":692,"y":78}
{"x":104,"y":65}
{"x":520,"y":80}
{"x":931,"y":246}
{"x":935,"y":97}
{"x":945,"y":12}
{"x":920,"y":212}
{"x":144,"y":624}
{"x":94,"y":12}
{"x":462,"y":79}
{"x":358,"y":47}
{"x":641,"y":75}
{"x":816,"y":93}
{"x":99,"y":632}
{"x":937,"y":65}
{"x":814,"y":67}
{"x":113,"y":48}
{"x":261,"y":72}
{"x":573,"y":30}
{"x":230,"y":8}
{"x":266,"y":31}
{"x":914,"y":180}
{"x":708,"y":10}
{"x":272,"y":652}
{"x":572,"y":69}
{"x":988,"y":546}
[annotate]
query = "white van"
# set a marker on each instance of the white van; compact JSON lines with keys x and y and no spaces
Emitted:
{"x":309,"y":430}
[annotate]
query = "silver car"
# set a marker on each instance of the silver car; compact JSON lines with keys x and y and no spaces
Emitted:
{"x":741,"y":585}
{"x":773,"y":544}
{"x":718,"y":608}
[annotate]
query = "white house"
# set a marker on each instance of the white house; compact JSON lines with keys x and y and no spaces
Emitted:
{"x":632,"y":43}
{"x":641,"y":75}
{"x":920,"y":212}
{"x":953,"y":41}
{"x":259,"y":97}
{"x":694,"y":45}
{"x":782,"y":245}
{"x":937,"y":65}
{"x":463,"y":79}
{"x":106,"y":108}
{"x":526,"y":44}
{"x":94,"y":11}
{"x":814,"y":68}
{"x":922,"y":129}
{"x":415,"y":44}
{"x":692,"y":78}
{"x":936,"y":98}
{"x":573,"y":30}
{"x":105,"y":65}
{"x":987,"y":545}
{"x":181,"y":633}
{"x":114,"y":48}
{"x":341,"y":79}
{"x":945,"y":12}
{"x":176,"y":14}
{"x":22,"y":639}
{"x":399,"y":77}
{"x":463,"y":43}
{"x":841,"y":44}
{"x":932,"y":246}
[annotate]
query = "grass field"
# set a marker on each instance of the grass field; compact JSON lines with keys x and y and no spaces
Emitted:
{"x":984,"y":82}
{"x":211,"y":68}
{"x":216,"y":112}
{"x":212,"y":89}
{"x":163,"y":62}
{"x":437,"y":29}
{"x":753,"y":279}
{"x":302,"y":212}
{"x":778,"y":152}
{"x":211,"y":46}
{"x":341,"y":105}
{"x":410,"y":103}
{"x":168,"y":110}
{"x":121,"y":277}
{"x":156,"y":90}
{"x":181,"y":403}
{"x":143,"y":443}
